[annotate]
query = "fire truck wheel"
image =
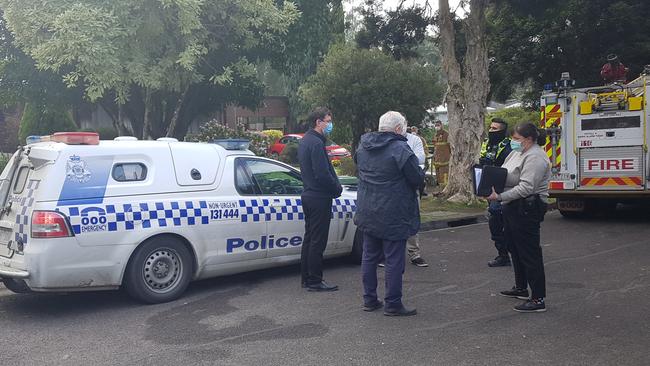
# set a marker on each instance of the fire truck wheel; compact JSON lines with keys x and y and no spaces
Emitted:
{"x":572,"y":214}
{"x":159,"y":270}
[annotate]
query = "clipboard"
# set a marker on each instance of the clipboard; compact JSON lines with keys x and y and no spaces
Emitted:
{"x":486,"y":177}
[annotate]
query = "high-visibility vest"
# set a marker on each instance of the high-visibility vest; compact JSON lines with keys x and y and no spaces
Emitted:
{"x":492,"y":155}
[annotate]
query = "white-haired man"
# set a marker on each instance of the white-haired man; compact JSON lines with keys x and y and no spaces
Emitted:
{"x":387,"y":209}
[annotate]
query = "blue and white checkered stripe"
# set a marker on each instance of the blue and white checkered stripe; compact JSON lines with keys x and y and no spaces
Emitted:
{"x":256,"y":210}
{"x":127,"y":216}
{"x":342,"y":206}
{"x":21,"y":228}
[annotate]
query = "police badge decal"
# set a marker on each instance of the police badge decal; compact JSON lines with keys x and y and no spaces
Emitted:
{"x":77,"y":170}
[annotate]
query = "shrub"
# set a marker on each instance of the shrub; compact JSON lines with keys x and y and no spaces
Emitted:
{"x":4,"y":159}
{"x":336,"y":163}
{"x":289,"y":154}
{"x":213,"y":130}
{"x":274,"y":135}
{"x":347,"y":167}
{"x":44,"y":120}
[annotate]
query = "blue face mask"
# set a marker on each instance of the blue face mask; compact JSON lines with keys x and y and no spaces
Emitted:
{"x":328,"y":128}
{"x":516,"y":145}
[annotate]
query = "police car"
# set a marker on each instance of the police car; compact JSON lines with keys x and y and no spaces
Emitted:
{"x":150,"y":216}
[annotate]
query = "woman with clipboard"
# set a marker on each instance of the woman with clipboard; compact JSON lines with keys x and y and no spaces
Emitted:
{"x":525,"y":200}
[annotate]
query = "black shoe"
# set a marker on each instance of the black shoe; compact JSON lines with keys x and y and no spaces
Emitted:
{"x":419,"y":262}
{"x":531,"y":306}
{"x":322,"y":287}
{"x":373,"y":306}
{"x":517,"y":293}
{"x":400,"y":312}
{"x":500,"y":261}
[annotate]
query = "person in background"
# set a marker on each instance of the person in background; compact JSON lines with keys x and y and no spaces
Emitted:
{"x":613,"y":70}
{"x":441,"y":153}
{"x":413,"y":243}
{"x":387,"y":209}
{"x":494,"y":151}
{"x":425,"y":146}
{"x":525,"y":200}
{"x":321,"y":185}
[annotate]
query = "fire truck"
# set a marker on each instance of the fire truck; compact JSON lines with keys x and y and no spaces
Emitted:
{"x":597,"y":144}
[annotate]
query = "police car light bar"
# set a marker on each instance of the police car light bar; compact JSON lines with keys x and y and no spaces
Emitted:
{"x":76,"y":138}
{"x":232,"y":144}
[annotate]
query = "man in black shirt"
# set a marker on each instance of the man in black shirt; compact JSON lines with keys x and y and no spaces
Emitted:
{"x":321,"y":185}
{"x":494,"y":151}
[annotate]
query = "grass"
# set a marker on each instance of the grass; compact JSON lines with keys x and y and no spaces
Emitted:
{"x":433,"y":204}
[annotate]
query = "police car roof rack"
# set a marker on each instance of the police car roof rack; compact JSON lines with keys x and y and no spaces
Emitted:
{"x":125,"y":138}
{"x":232,"y":144}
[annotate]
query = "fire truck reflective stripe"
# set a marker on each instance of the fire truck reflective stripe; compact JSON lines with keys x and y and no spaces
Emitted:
{"x":614,"y":181}
{"x":550,"y":117}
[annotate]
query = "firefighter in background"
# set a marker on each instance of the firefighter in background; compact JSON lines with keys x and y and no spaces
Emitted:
{"x":494,"y":151}
{"x":613,"y":70}
{"x":441,"y":153}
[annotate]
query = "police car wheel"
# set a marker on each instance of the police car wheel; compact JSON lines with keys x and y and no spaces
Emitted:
{"x":159,"y":271}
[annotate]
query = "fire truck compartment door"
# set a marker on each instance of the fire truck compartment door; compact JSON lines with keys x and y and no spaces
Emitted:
{"x":612,"y":168}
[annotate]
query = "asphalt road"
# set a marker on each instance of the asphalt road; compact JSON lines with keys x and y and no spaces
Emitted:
{"x":598,"y":277}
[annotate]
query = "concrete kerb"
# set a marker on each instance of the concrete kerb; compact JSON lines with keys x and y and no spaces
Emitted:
{"x":469,"y":219}
{"x":463,"y":220}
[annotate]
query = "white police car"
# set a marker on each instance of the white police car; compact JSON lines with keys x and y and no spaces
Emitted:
{"x":82,"y":214}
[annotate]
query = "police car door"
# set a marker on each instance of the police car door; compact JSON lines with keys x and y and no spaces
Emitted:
{"x":280,"y":188}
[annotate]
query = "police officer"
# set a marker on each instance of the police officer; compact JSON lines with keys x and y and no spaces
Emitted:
{"x":494,"y":151}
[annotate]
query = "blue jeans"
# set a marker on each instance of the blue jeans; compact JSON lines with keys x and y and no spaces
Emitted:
{"x":394,"y":253}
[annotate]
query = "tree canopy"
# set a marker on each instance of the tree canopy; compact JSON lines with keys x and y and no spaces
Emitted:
{"x":536,"y":41}
{"x":152,"y":60}
{"x":359,"y":85}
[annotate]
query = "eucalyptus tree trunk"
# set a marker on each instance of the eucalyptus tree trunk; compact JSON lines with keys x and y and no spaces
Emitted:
{"x":177,"y":113}
{"x":147,"y":130}
{"x":467,"y":89}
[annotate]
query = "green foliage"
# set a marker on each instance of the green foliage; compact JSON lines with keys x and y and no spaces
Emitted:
{"x":289,"y":154}
{"x":513,"y":116}
{"x":274,"y":135}
{"x":44,"y":120}
{"x":158,"y":61}
{"x":347,"y":167}
{"x":214,"y":130}
{"x":4,"y":159}
{"x":536,"y":41}
{"x":341,"y":133}
{"x":360,"y":85}
{"x":397,"y":32}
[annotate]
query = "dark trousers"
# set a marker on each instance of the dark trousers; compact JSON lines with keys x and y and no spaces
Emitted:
{"x":495,"y":222}
{"x":318,"y":214}
{"x":393,"y":251}
{"x":522,"y":221}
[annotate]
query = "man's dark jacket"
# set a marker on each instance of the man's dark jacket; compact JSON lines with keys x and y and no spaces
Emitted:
{"x":389,"y":177}
{"x":318,"y":175}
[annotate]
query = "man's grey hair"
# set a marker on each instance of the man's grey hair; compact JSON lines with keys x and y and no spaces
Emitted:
{"x":390,"y":120}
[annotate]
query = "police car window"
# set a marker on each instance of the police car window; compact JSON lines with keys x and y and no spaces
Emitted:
{"x":21,"y":180}
{"x":129,"y":172}
{"x":274,"y":179}
{"x":243,"y":182}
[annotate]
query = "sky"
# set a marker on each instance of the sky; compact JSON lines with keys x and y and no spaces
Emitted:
{"x":392,"y":4}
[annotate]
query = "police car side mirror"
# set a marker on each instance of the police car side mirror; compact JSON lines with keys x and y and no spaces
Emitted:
{"x":196,"y":175}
